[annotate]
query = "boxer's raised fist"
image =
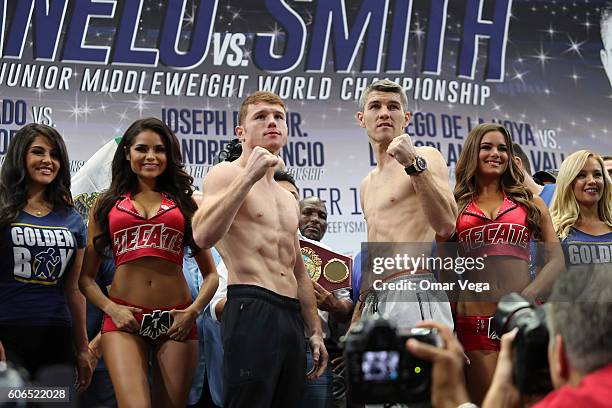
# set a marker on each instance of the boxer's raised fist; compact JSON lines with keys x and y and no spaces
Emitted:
{"x":259,"y":162}
{"x":402,"y":150}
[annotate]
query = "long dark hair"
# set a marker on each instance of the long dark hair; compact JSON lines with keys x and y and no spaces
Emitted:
{"x":14,"y":175}
{"x":511,"y":181}
{"x":174,"y":181}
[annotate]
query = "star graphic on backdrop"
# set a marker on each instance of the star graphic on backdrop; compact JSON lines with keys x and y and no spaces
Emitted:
{"x":236,"y":15}
{"x":542,"y":57}
{"x":418,"y":31}
{"x":39,"y":92}
{"x":140,"y":104}
{"x":123,"y":116}
{"x":76,"y":110}
{"x":575,"y":77}
{"x":550,"y":31}
{"x":587,"y":24}
{"x":574,"y":47}
{"x":519,"y":75}
{"x":189,"y":17}
{"x":86,"y":109}
{"x":275,"y":31}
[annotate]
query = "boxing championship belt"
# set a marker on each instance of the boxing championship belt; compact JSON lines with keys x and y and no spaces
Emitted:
{"x":328,"y":268}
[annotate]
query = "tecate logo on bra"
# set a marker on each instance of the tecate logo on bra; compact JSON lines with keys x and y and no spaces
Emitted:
{"x":148,"y":236}
{"x":494,"y":234}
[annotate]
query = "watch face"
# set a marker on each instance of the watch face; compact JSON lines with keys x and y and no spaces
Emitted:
{"x":421,"y":163}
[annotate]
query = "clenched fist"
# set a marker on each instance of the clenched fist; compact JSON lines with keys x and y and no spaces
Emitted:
{"x":259,"y":162}
{"x":402,"y":150}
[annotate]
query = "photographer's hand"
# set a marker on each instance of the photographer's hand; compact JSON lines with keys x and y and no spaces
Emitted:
{"x":448,"y":388}
{"x":502,"y":392}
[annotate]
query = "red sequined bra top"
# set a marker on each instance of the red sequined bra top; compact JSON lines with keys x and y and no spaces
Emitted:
{"x":134,"y":236}
{"x":506,"y":234}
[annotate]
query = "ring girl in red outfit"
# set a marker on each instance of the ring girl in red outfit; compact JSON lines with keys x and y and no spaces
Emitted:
{"x":144,"y":219}
{"x":497,"y":218}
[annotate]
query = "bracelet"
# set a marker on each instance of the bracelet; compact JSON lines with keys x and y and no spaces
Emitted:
{"x":468,"y":405}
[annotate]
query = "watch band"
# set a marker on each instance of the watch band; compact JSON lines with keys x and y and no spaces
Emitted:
{"x":410,"y":170}
{"x":418,"y":166}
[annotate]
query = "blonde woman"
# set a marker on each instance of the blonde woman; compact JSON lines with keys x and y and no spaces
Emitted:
{"x":582,"y":209}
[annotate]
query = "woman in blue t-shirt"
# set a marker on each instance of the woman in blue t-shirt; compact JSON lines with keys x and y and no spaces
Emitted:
{"x":42,"y":312}
{"x":582,"y":209}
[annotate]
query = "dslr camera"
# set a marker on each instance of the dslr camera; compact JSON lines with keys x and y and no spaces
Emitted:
{"x":380,"y":368}
{"x":230,"y":152}
{"x":530,"y":371}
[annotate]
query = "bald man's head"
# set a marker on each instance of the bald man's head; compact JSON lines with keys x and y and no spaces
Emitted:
{"x":313,"y":218}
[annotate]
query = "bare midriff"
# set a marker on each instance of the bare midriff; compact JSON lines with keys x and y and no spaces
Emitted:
{"x":150,"y":282}
{"x":504,"y":274}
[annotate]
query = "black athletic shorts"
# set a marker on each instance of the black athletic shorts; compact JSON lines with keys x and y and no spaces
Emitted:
{"x":264,"y":363}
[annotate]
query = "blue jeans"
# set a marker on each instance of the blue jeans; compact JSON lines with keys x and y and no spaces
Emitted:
{"x":318,"y":393}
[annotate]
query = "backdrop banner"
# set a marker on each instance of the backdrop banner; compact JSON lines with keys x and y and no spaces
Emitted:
{"x":91,"y":67}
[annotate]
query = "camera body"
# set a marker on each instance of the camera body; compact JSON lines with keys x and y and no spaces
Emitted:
{"x":531,"y":373}
{"x":380,"y":368}
{"x":230,"y":152}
